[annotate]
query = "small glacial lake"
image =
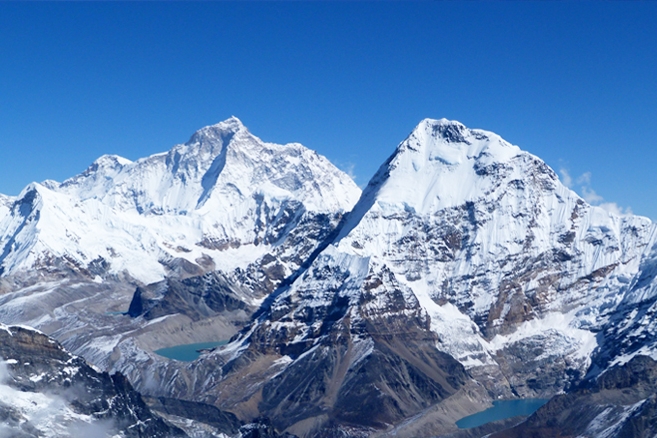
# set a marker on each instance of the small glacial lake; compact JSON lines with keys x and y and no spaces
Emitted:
{"x":187,"y":352}
{"x":501,"y":410}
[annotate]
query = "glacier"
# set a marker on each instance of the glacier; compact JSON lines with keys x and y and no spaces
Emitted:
{"x":464,"y":272}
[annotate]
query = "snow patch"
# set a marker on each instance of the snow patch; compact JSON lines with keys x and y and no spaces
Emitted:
{"x":583,"y":341}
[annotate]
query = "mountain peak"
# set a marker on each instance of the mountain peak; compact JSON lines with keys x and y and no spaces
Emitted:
{"x":109,"y":161}
{"x":441,"y":130}
{"x":441,"y":122}
{"x":450,"y":130}
{"x":439,"y":163}
{"x":232,"y":124}
{"x":222,"y":131}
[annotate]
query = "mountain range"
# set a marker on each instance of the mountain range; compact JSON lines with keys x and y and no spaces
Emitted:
{"x":463,"y":273}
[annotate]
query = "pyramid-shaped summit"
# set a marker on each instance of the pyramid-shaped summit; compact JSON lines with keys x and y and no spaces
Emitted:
{"x":461,"y":244}
{"x":465,"y":273}
{"x":441,"y":163}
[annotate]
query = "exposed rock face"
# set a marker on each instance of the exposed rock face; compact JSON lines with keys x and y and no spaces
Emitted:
{"x":466,"y":272}
{"x":203,"y":233}
{"x":197,"y":297}
{"x":222,"y":422}
{"x":48,"y":392}
{"x":621,"y":403}
{"x":461,"y":247}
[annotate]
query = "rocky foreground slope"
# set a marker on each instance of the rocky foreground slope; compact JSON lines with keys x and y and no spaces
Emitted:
{"x":620,"y":403}
{"x":47,"y":392}
{"x":466,"y":272}
{"x":224,"y":215}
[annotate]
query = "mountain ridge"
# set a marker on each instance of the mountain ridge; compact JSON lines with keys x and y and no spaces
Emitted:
{"x":465,"y":272}
{"x":179,"y":186}
{"x":511,"y":274}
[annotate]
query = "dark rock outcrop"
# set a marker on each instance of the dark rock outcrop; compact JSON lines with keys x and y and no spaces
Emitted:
{"x":137,"y":304}
{"x":197,"y":297}
{"x":223,"y":421}
{"x":621,"y":403}
{"x":36,"y":364}
{"x":361,"y":357}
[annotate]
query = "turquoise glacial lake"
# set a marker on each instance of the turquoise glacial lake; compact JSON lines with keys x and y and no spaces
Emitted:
{"x":501,"y":410}
{"x":187,"y":352}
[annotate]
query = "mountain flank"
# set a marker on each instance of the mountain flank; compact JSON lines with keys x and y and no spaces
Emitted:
{"x":465,"y":272}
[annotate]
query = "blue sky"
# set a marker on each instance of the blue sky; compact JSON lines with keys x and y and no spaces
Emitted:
{"x":572,"y":82}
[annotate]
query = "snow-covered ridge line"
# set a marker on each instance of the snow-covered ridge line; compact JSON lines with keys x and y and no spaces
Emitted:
{"x":223,"y":197}
{"x":512,"y":271}
{"x":8,"y":328}
{"x":463,"y":253}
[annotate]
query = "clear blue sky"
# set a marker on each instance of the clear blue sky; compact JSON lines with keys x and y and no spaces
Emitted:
{"x":572,"y":82}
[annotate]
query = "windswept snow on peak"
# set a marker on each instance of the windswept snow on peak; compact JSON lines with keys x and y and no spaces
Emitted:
{"x":515,"y":272}
{"x":5,"y":205}
{"x":468,"y":220}
{"x":440,"y":165}
{"x":225,"y":194}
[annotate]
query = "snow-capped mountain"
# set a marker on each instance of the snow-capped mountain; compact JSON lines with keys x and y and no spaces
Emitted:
{"x":244,"y":212}
{"x":467,"y":219}
{"x":461,"y":244}
{"x":223,"y":197}
{"x":464,"y":272}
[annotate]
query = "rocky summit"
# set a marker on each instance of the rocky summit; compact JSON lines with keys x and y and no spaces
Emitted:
{"x":465,"y":272}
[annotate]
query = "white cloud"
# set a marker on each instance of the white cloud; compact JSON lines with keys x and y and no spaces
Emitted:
{"x":614,"y":208}
{"x":584,"y":179}
{"x":566,"y":179}
{"x":583,"y":183}
{"x":590,"y":195}
{"x":348,"y":168}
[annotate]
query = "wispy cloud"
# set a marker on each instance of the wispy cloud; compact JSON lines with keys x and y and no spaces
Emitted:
{"x":614,"y":208}
{"x":582,"y":184}
{"x":349,"y":169}
{"x":566,"y":179}
{"x":584,"y":179}
{"x":590,"y":195}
